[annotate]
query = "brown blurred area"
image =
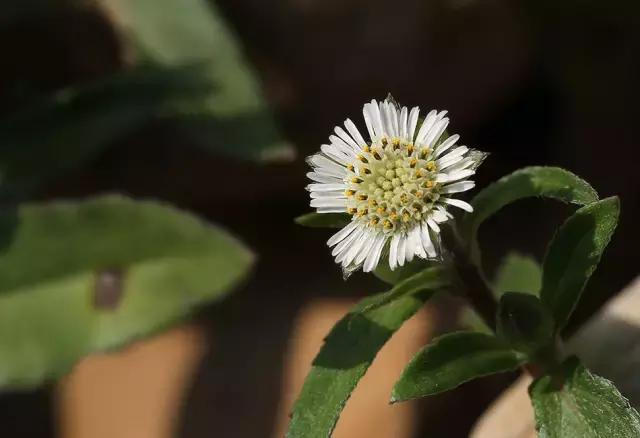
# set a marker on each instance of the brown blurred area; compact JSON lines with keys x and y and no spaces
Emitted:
{"x":531,"y":82}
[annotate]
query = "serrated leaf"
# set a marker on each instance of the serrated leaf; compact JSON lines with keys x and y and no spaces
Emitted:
{"x":574,"y":254}
{"x":71,"y":126}
{"x":524,"y":323}
{"x":235,"y":117}
{"x":518,"y":273}
{"x":344,"y":358}
{"x":578,"y":404}
{"x":323,"y":220}
{"x":452,"y":360}
{"x":548,"y":182}
{"x":77,"y":278}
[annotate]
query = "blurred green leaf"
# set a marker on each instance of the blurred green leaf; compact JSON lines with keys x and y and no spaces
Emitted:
{"x":573,"y":255}
{"x":452,"y":360}
{"x":578,"y":404}
{"x":524,"y":323}
{"x":469,"y":319}
{"x":77,"y":278}
{"x":235,"y":117}
{"x":548,"y":182}
{"x":344,"y":358}
{"x":73,"y":125}
{"x":518,"y":273}
{"x":323,"y":220}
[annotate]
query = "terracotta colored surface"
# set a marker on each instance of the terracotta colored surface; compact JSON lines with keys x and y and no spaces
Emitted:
{"x":135,"y":393}
{"x":368,"y":413}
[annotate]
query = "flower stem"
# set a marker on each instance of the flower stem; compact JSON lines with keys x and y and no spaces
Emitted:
{"x":472,"y":284}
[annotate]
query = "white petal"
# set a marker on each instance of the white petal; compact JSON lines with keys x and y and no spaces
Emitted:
{"x":433,"y":225}
{"x":348,"y":256}
{"x":458,"y":187}
{"x":402,"y":252}
{"x":461,"y":165}
{"x":413,"y":122}
{"x":439,"y":215}
{"x":367,"y":247}
{"x":346,"y":137}
{"x":344,"y":232}
{"x":419,"y":248}
{"x":368,"y":120}
{"x":426,"y":126}
{"x":353,"y":130}
{"x":457,"y":152}
{"x":377,"y":120}
{"x":393,"y":251}
{"x":460,"y":174}
{"x":327,"y":166}
{"x":321,"y":187}
{"x":446,"y":145}
{"x":334,"y":194}
{"x":427,"y":243}
{"x":329,"y":202}
{"x":436,"y":132}
{"x":390,"y":119}
{"x":343,"y":147}
{"x":374,"y":255}
{"x":318,"y":177}
{"x":410,"y":248}
{"x":330,"y":209}
{"x":347,"y":241}
{"x":404,"y":129}
{"x":458,"y":203}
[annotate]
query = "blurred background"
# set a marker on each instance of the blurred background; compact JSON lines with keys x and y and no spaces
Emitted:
{"x":212,"y":106}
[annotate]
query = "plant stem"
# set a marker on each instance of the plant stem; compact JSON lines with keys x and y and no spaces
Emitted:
{"x":472,"y":284}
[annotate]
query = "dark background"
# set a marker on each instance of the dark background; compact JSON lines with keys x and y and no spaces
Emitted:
{"x":532,"y":82}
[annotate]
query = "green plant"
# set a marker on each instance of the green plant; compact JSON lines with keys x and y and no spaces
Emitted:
{"x":523,"y":315}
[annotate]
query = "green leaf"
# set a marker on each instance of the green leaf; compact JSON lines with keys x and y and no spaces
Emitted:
{"x":452,"y":360}
{"x":72,"y":126}
{"x":344,"y":358}
{"x":384,"y":272}
{"x":548,"y":182}
{"x":323,"y":220}
{"x":573,"y":255}
{"x":235,"y":116}
{"x":433,"y":278}
{"x":518,"y":273}
{"x":77,"y":278}
{"x":524,"y":323}
{"x":578,"y":404}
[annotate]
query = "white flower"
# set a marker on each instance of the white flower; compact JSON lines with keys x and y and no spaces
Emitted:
{"x":396,"y":187}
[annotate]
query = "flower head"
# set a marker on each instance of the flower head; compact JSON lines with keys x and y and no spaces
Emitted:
{"x":397,"y":186}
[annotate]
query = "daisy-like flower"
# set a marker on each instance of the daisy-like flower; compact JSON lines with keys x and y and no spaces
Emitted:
{"x":397,"y":186}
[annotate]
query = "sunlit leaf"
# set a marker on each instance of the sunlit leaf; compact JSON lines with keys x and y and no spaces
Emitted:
{"x":452,"y":360}
{"x":518,"y":273}
{"x":578,"y":404}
